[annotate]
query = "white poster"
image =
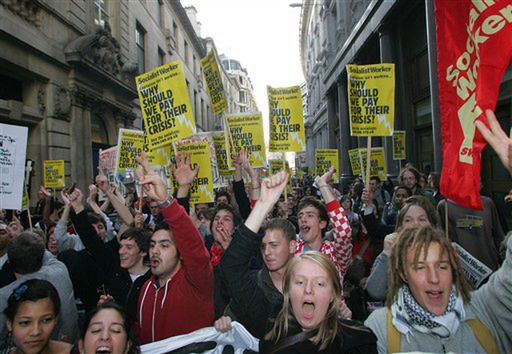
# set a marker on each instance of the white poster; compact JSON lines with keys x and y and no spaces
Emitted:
{"x":473,"y":269}
{"x":13,"y":150}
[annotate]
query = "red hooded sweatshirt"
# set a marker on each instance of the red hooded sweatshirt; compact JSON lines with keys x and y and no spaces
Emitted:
{"x":185,"y":302}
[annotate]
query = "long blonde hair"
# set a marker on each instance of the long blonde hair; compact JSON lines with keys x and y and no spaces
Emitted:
{"x":330,"y":325}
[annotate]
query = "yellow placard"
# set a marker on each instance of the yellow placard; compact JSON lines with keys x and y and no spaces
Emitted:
{"x":130,"y":144}
{"x":54,"y":174}
{"x":377,"y":162}
{"x":324,"y":159}
{"x":219,"y":140}
{"x":286,"y":119}
{"x":24,"y":199}
{"x":159,"y":156}
{"x":246,"y":132}
{"x":355,"y":163}
{"x":165,"y":104}
{"x":202,"y":187}
{"x":277,"y":165}
{"x":214,"y":82}
{"x":371,"y":96}
{"x":399,"y":145}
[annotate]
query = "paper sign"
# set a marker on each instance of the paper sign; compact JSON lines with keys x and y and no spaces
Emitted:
{"x":371,"y":96}
{"x":202,"y":187}
{"x":399,"y":145}
{"x":286,"y":119}
{"x":54,"y":174}
{"x":13,"y":149}
{"x":324,"y":159}
{"x":377,"y":162}
{"x":214,"y":82}
{"x":355,"y":163}
{"x":165,"y":104}
{"x":246,"y":132}
{"x":219,"y":139}
{"x":130,"y":144}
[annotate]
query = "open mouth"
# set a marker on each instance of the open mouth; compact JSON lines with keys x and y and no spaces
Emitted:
{"x":308,"y":309}
{"x":434,"y":295}
{"x":154,"y":262}
{"x":305,"y":229}
{"x":103,"y":350}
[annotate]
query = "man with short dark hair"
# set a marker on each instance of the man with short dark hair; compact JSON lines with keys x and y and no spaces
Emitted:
{"x":29,"y":260}
{"x":314,"y":217}
{"x":120,"y":261}
{"x":222,"y":197}
{"x":257,"y":294}
{"x":178,"y":298}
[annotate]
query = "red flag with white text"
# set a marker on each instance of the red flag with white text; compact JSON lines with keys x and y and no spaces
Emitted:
{"x":474,"y":48}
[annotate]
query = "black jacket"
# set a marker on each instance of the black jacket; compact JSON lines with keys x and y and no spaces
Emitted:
{"x":351,"y":339}
{"x":115,"y":280}
{"x":254,"y":298}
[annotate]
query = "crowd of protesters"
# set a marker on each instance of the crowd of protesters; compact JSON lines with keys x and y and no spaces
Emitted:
{"x":311,"y":269}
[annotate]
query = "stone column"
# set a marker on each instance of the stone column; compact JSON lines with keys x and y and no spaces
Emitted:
{"x":386,"y":56}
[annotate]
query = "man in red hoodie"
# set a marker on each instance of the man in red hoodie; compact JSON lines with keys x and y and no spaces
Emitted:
{"x":178,"y":298}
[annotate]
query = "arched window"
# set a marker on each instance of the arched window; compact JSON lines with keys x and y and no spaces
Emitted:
{"x":99,"y":133}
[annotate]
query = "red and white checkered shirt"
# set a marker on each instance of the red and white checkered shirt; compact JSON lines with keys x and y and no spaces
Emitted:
{"x":339,"y":251}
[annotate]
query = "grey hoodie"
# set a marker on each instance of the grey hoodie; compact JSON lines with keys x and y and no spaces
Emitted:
{"x":491,"y":304}
{"x":56,"y":273}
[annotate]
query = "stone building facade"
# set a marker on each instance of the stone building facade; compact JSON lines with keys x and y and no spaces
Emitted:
{"x":334,"y":33}
{"x":67,"y":72}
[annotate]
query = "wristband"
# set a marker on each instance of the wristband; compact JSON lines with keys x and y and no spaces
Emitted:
{"x":166,"y":203}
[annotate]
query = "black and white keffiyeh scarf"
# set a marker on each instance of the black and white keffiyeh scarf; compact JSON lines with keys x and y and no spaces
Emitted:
{"x":408,"y":314}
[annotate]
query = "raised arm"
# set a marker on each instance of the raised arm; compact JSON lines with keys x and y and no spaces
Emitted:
{"x":339,"y":221}
{"x":497,"y":138}
{"x":122,"y":210}
{"x":241,"y":197}
{"x":195,"y":256}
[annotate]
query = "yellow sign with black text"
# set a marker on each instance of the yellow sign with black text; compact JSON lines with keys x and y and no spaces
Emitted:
{"x":355,"y":163}
{"x":399,"y":145}
{"x":54,"y":174}
{"x":377,"y":162}
{"x":165,"y":104}
{"x":130,"y":144}
{"x":246,"y":132}
{"x":324,"y":160}
{"x":286,"y":119}
{"x":202,"y":187}
{"x":371,"y":98}
{"x":219,"y":140}
{"x":214,"y":82}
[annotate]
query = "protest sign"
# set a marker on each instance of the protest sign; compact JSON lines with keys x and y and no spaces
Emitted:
{"x":130,"y":144}
{"x":165,"y":104}
{"x":399,"y":145}
{"x":246,"y":132}
{"x":377,"y":162}
{"x":355,"y":163}
{"x":54,"y":174}
{"x":13,"y":152}
{"x":200,"y":155}
{"x":371,"y":97}
{"x":219,"y":139}
{"x":474,"y":270}
{"x":108,"y":159}
{"x":157,"y":156}
{"x":24,"y":200}
{"x":214,"y":82}
{"x":325,"y":158}
{"x":286,"y":119}
{"x":277,"y":165}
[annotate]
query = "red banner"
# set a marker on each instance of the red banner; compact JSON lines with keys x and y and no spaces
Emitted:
{"x":474,"y":39}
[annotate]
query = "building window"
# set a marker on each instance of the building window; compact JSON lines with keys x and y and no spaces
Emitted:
{"x":185,"y":52}
{"x":160,"y":13}
{"x":100,"y":12}
{"x":242,"y":97}
{"x":140,"y":33}
{"x":175,"y":30}
{"x":194,"y":64}
{"x":161,"y":57}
